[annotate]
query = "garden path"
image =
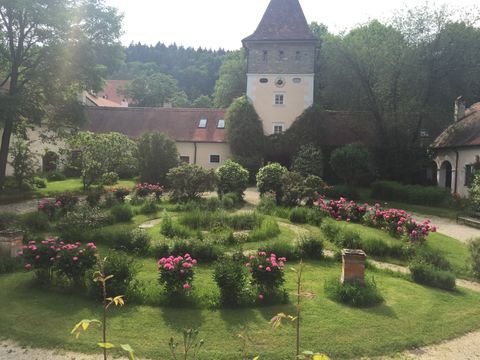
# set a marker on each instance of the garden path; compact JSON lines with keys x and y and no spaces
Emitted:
{"x":21,"y":207}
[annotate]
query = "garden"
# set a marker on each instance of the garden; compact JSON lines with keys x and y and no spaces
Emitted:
{"x":148,"y":261}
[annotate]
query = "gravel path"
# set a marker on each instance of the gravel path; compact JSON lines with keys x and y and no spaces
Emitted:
{"x":20,"y":207}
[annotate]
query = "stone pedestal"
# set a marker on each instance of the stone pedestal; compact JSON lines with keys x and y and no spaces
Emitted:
{"x":353,"y":266}
{"x":11,"y":242}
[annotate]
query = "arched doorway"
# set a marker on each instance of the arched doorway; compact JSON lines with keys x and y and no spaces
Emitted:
{"x":50,"y":162}
{"x":445,"y":178}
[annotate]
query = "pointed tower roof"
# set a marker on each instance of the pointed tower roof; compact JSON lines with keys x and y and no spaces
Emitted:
{"x":283,"y":20}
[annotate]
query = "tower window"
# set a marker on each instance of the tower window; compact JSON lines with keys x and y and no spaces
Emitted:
{"x":265,"y":56}
{"x":281,"y":54}
{"x":297,"y":80}
{"x":203,"y":123}
{"x":277,"y":128}
{"x":279,"y":99}
{"x":298,"y":55}
{"x":264,"y":80}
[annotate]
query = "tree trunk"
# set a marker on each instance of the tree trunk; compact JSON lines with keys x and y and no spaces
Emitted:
{"x":6,"y":136}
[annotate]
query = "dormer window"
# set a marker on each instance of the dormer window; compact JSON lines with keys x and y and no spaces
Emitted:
{"x":203,"y":123}
{"x":221,"y":124}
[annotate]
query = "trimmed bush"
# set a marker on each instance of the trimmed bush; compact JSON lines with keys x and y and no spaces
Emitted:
{"x":55,"y":176}
{"x":203,"y":251}
{"x":353,"y":294}
{"x":281,"y":249}
{"x":138,"y":242}
{"x":268,"y":180}
{"x":299,"y":215}
{"x":232,"y":178}
{"x":36,"y":221}
{"x":9,"y":265}
{"x":474,"y":248}
{"x":122,"y":213}
{"x":189,"y":181}
{"x":427,"y":274}
{"x":433,"y":257}
{"x":149,"y":206}
{"x":230,"y":276}
{"x":310,"y":247}
{"x":413,"y":194}
{"x":8,"y":220}
{"x":124,"y":270}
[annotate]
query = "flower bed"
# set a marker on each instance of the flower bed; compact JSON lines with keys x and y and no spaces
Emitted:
{"x":52,"y":255}
{"x":145,"y":189}
{"x":397,"y":222}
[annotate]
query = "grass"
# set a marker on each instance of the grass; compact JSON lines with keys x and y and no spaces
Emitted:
{"x":74,"y":185}
{"x":411,"y":316}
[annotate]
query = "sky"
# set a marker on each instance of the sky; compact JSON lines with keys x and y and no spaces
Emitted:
{"x":224,"y":23}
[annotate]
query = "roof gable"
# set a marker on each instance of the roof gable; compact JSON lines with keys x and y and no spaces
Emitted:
{"x":463,"y":133}
{"x":181,"y":125}
{"x":283,"y":20}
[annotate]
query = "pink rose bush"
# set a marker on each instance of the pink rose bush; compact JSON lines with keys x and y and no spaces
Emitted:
{"x":145,"y":189}
{"x":397,"y":222}
{"x":52,"y":255}
{"x":176,"y":273}
{"x":49,"y":207}
{"x":267,"y":272}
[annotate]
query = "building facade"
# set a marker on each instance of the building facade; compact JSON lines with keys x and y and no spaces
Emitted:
{"x":457,"y":150}
{"x":281,"y":56}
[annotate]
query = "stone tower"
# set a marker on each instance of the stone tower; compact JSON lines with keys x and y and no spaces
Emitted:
{"x":281,"y":65}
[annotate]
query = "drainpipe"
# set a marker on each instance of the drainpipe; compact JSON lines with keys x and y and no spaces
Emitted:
{"x":456,"y":172}
{"x":195,"y":153}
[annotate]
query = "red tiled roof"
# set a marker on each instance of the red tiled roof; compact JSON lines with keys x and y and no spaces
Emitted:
{"x":99,"y":101}
{"x":283,"y":20}
{"x":179,"y":124}
{"x":112,"y":90}
{"x":462,"y":133}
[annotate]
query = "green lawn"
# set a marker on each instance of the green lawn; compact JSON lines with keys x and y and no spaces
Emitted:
{"x":412,"y":315}
{"x":73,"y":185}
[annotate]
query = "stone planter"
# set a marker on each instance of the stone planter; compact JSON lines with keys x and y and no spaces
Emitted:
{"x":353,"y":266}
{"x":11,"y":242}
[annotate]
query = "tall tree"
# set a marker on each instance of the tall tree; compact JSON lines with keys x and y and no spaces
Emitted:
{"x":48,"y":54}
{"x":245,"y":135}
{"x":232,"y":81}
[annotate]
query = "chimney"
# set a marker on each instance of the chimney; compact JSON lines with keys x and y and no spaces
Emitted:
{"x":459,"y":109}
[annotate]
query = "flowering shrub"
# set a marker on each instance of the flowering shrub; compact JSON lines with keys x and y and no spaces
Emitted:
{"x":267,"y":272}
{"x":176,"y":273}
{"x":146,"y":189}
{"x":120,"y":193}
{"x":396,"y":222}
{"x":49,"y":207}
{"x":67,"y":201}
{"x":49,"y":255}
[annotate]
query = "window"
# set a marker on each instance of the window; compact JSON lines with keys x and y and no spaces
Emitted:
{"x":265,"y":56}
{"x":279,"y":99}
{"x":214,"y":159}
{"x":297,"y":80}
{"x":185,"y":159}
{"x":469,"y":172}
{"x":297,"y":55}
{"x":202,"y":123}
{"x":281,"y":54}
{"x":263,"y":80}
{"x":277,"y":128}
{"x":221,"y":124}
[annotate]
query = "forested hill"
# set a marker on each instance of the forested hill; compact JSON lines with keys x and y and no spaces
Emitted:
{"x":196,"y":70}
